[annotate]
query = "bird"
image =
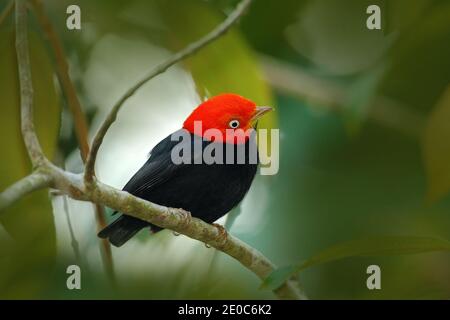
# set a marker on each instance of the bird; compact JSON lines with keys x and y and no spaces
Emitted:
{"x":206,"y":189}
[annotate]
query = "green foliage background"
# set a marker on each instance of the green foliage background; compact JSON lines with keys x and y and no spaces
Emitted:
{"x":28,"y":256}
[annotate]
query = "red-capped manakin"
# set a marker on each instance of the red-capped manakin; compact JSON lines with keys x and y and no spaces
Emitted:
{"x":207,"y":190}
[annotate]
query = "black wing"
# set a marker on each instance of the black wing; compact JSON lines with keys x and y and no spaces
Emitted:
{"x":159,"y":167}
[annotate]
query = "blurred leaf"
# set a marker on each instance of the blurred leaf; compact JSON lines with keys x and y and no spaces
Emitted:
{"x":420,"y":68}
{"x":342,"y":50}
{"x":374,"y":246}
{"x":403,"y":14}
{"x":359,"y":97}
{"x":436,"y":148}
{"x":266,"y":30}
{"x":278,"y":277}
{"x":30,"y":251}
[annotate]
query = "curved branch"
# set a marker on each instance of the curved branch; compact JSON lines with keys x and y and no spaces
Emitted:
{"x":174,"y":219}
{"x":186,"y":52}
{"x":30,"y":183}
{"x":26,"y":88}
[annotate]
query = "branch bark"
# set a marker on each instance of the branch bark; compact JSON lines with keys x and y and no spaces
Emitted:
{"x":21,"y":188}
{"x":86,"y":188}
{"x":26,"y":89}
{"x":181,"y":55}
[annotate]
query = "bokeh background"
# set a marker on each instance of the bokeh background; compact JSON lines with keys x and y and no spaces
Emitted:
{"x":364,"y":117}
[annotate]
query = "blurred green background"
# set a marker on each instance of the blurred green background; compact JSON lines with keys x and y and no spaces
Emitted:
{"x":364,"y":119}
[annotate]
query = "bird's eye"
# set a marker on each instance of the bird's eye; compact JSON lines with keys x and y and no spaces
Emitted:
{"x":234,"y":124}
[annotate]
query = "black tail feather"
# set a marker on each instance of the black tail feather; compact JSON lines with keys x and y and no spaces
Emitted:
{"x":122,"y":229}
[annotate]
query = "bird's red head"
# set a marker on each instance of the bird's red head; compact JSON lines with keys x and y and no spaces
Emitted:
{"x":222,"y":112}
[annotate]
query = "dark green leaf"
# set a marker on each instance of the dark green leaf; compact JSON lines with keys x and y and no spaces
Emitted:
{"x":29,"y":250}
{"x":373,"y":246}
{"x":436,"y":149}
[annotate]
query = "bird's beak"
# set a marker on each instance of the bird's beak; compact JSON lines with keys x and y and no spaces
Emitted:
{"x":260,"y":111}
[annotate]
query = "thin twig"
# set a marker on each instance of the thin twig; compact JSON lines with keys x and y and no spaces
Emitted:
{"x":26,"y":88}
{"x":81,"y":127}
{"x":73,"y":242}
{"x":183,"y":54}
{"x":105,"y":246}
{"x":7,"y":11}
{"x":30,"y":183}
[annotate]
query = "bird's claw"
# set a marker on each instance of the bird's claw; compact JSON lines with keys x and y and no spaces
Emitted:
{"x":223,"y":233}
{"x":185,"y":216}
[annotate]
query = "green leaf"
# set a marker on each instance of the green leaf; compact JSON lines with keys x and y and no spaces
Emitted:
{"x":436,"y":149}
{"x":29,"y":247}
{"x":373,"y":246}
{"x":346,"y":50}
{"x":419,"y":66}
{"x":278,"y":277}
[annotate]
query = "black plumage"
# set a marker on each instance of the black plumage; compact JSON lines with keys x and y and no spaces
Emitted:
{"x":208,"y":191}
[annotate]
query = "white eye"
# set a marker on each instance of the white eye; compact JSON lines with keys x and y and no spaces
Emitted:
{"x":233,"y":124}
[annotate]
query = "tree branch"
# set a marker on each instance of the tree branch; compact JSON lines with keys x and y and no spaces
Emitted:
{"x":174,"y":219}
{"x":81,"y":128}
{"x":183,"y":54}
{"x":26,"y":89}
{"x":74,"y":243}
{"x":30,"y":183}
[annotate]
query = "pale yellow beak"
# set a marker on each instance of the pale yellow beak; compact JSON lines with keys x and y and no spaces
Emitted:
{"x":260,"y":111}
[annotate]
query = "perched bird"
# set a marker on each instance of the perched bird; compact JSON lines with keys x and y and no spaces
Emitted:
{"x":207,"y":190}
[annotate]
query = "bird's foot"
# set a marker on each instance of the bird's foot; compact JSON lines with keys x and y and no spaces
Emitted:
{"x":223,"y":233}
{"x":185,"y":216}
